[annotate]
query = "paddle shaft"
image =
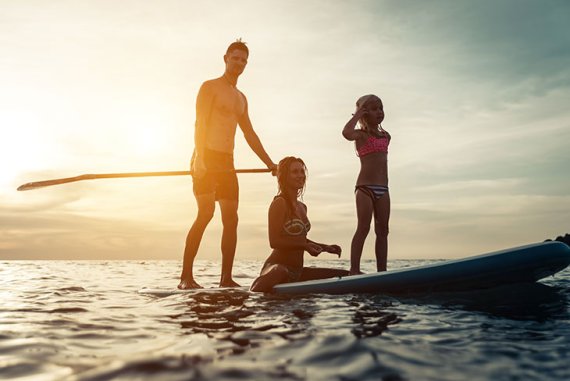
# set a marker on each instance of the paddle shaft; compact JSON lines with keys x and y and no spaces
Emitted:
{"x":47,"y":183}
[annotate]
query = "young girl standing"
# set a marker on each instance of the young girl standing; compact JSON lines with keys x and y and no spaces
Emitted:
{"x":372,"y":196}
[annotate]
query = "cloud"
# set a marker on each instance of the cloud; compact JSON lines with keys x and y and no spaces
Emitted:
{"x":476,"y":97}
{"x":59,"y":235}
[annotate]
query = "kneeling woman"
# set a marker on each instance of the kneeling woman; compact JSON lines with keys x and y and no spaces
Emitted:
{"x":288,"y":228}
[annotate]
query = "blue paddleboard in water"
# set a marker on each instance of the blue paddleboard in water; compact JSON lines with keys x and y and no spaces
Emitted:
{"x":517,"y":265}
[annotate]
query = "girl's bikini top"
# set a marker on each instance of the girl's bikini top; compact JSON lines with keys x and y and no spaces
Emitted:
{"x":374,"y":144}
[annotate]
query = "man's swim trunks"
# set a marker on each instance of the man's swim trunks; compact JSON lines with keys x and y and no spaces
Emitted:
{"x":220,"y":177}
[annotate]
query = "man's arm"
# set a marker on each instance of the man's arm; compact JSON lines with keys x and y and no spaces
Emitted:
{"x":204,"y":104}
{"x":253,"y":140}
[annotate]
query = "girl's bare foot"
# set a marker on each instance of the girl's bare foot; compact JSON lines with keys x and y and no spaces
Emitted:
{"x":357,"y":272}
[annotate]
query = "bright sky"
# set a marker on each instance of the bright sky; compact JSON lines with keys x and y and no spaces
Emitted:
{"x":476,"y":95}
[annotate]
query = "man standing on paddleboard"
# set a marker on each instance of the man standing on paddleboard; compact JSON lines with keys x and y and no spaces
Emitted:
{"x":220,"y":108}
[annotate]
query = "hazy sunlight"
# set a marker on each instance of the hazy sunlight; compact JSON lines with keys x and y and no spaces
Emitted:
{"x":22,"y":147}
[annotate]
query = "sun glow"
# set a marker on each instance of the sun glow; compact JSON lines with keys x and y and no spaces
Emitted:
{"x":147,"y":132}
{"x":148,"y":141}
{"x":22,"y":146}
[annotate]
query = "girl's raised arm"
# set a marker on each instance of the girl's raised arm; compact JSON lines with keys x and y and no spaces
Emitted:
{"x":349,"y":131}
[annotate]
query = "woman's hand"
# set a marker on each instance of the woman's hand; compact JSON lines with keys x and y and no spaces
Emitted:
{"x":313,"y":249}
{"x":333,"y":249}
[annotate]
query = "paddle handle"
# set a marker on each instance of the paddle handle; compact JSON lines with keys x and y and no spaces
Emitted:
{"x":65,"y":180}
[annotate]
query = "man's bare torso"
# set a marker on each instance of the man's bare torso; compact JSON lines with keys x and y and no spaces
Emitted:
{"x":228,"y":106}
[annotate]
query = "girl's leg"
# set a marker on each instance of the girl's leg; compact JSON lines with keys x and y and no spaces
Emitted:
{"x":381,"y":220}
{"x":364,"y":210}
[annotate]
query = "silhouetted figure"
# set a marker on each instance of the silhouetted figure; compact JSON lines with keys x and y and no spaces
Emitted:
{"x":371,"y":191}
{"x":220,"y":108}
{"x":288,"y":229}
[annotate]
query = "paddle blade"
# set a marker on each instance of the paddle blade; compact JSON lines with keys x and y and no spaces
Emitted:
{"x":47,"y":183}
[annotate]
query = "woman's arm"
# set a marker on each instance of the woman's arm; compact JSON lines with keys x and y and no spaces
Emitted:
{"x":252,"y":139}
{"x":333,"y":249}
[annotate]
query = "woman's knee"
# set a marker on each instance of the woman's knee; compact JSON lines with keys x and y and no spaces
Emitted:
{"x":279,"y":273}
{"x":270,"y":277}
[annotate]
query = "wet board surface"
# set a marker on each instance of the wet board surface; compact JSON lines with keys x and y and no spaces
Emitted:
{"x":516,"y":265}
{"x":175,"y":291}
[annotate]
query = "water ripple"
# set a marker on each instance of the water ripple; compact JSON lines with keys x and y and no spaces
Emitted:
{"x":85,"y":321}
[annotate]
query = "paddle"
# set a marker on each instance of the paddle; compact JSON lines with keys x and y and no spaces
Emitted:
{"x":47,"y":183}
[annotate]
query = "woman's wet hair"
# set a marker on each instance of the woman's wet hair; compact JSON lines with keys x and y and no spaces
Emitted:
{"x":283,"y":177}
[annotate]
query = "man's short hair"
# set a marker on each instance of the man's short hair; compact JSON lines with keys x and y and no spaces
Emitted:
{"x":239,"y":45}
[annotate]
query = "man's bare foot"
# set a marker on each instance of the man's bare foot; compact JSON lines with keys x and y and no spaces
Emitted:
{"x":229,"y":283}
{"x":188,"y":284}
{"x":357,"y":272}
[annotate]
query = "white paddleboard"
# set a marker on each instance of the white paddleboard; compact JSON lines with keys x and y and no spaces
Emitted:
{"x":174,"y":291}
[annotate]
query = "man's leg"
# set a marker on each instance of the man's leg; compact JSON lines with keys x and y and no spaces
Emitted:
{"x":229,"y":212}
{"x":206,"y":205}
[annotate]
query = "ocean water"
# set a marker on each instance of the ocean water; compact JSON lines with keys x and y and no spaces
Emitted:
{"x":84,"y":320}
